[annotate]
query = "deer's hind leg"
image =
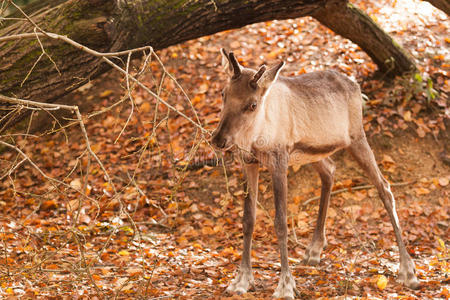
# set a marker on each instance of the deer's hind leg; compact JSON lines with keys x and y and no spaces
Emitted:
{"x":364,"y":156}
{"x":326,"y":169}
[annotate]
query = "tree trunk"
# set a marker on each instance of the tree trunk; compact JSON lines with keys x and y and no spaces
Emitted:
{"x":112,"y":25}
{"x":352,"y":23}
{"x":443,"y":5}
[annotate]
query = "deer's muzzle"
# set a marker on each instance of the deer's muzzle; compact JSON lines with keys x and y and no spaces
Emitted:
{"x":220,"y":141}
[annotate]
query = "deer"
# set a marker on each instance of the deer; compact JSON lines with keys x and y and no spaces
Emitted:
{"x":276,"y":121}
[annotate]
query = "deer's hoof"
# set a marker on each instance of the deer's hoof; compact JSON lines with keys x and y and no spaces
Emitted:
{"x":311,"y":260}
{"x":286,"y":287}
{"x":312,"y":253}
{"x":241,"y":284}
{"x":312,"y":256}
{"x":406,"y":274}
{"x":409,"y":280}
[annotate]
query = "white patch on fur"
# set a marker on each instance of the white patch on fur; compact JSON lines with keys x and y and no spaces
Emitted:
{"x":394,"y":211}
{"x":263,"y":98}
{"x":286,"y":287}
{"x":242,"y":282}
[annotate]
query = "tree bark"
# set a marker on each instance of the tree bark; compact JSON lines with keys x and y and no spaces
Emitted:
{"x":113,"y":25}
{"x":443,"y":5}
{"x":347,"y":20}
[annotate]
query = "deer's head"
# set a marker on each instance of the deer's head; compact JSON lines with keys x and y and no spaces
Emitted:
{"x":243,"y":103}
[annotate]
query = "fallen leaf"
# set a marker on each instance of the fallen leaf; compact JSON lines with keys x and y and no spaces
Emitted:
{"x":124,"y":253}
{"x":443,"y":181}
{"x":420,"y":132}
{"x":96,"y":277}
{"x":49,"y":204}
{"x":145,"y":107}
{"x":422,"y":191}
{"x":207,"y":230}
{"x":407,"y":116}
{"x":382,"y":282}
{"x":441,"y":243}
{"x":387,"y":159}
{"x":203,"y":88}
{"x":76,"y":184}
{"x":134,"y":271}
{"x":105,"y":93}
{"x":238,"y":193}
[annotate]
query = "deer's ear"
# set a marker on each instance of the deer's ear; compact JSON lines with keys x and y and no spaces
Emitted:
{"x":270,"y":76}
{"x":226,"y":62}
{"x":254,"y":81}
{"x":230,"y":64}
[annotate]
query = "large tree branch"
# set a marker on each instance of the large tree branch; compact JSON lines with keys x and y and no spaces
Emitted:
{"x":113,"y":25}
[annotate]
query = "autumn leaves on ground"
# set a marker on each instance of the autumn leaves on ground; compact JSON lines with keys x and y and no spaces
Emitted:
{"x":165,"y":226}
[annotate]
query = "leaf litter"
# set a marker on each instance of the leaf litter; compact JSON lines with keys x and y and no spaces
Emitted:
{"x":186,"y":238}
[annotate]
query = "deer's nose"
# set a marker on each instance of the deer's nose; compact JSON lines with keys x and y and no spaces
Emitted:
{"x":219,"y":142}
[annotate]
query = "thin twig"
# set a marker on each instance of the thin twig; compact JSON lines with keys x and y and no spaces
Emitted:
{"x":145,"y":196}
{"x":13,"y":168}
{"x":115,"y":66}
{"x":129,"y":97}
{"x":86,"y":266}
{"x":53,"y":180}
{"x":356,"y":188}
{"x":36,"y":26}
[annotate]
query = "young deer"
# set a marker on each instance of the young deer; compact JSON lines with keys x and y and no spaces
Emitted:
{"x":276,"y":120}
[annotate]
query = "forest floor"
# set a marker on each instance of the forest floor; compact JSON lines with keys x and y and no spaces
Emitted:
{"x":155,"y":230}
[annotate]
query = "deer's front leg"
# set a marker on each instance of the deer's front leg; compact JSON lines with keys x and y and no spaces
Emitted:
{"x":286,"y":287}
{"x":244,"y":279}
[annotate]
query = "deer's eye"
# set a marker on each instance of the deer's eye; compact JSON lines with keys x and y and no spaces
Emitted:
{"x":252,"y":106}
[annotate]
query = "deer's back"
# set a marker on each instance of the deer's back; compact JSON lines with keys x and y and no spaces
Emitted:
{"x":317,"y":111}
{"x":323,"y":88}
